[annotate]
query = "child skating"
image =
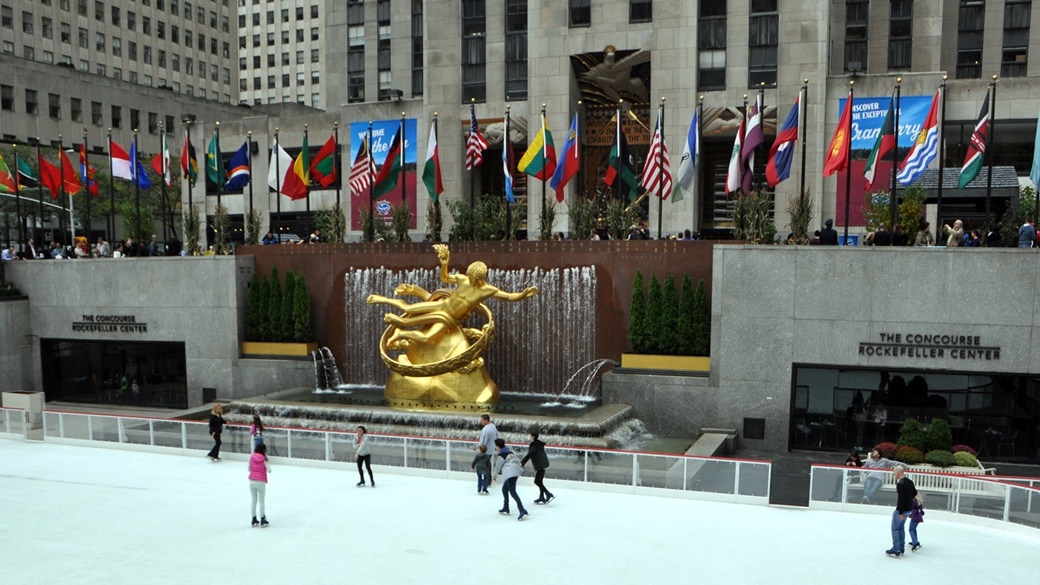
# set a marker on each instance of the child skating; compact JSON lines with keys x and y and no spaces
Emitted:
{"x":482,"y":465}
{"x":509,"y":467}
{"x":258,"y":470}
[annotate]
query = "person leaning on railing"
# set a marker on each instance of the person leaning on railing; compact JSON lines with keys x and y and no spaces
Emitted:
{"x":874,"y":479}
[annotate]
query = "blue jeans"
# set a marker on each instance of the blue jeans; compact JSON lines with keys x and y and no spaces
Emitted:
{"x":898,"y":535}
{"x":257,"y":440}
{"x":509,"y":489}
{"x":871,"y":486}
{"x":482,"y":480}
{"x":913,"y":533}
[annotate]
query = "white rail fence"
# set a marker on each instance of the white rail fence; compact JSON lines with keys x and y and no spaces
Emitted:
{"x":709,"y":478}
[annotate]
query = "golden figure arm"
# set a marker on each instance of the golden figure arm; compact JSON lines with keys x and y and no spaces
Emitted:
{"x":516,"y":296}
{"x":443,"y":254}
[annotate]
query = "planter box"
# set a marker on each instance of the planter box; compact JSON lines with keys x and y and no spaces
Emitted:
{"x":278,"y":349}
{"x":675,"y":363}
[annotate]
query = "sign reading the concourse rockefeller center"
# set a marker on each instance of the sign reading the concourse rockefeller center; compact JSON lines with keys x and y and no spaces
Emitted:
{"x":929,"y":346}
{"x":109,"y":324}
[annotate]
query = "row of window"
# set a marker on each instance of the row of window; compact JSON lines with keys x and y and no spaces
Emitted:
{"x":29,"y":52}
{"x":116,"y":15}
{"x":243,"y":62}
{"x":315,"y":35}
{"x":301,"y":80}
{"x":76,"y":112}
{"x":271,"y":18}
{"x":580,"y":12}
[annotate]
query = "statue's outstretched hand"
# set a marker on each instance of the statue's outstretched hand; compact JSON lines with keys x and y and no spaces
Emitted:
{"x":442,"y":252}
{"x":530,"y":291}
{"x":371,"y":299}
{"x":405,"y":289}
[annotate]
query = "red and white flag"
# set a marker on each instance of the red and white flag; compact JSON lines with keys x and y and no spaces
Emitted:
{"x":361,"y":170}
{"x":476,"y":144}
{"x":657,"y":171}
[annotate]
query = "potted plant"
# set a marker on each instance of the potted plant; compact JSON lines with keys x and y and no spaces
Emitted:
{"x":667,"y":330}
{"x":278,"y":318}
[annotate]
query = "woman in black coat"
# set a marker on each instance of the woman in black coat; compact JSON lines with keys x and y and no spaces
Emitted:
{"x":536,"y":454}
{"x":216,"y":425}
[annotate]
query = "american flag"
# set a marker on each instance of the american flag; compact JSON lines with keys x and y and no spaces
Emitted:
{"x":476,"y":144}
{"x":361,"y":170}
{"x":657,"y":172}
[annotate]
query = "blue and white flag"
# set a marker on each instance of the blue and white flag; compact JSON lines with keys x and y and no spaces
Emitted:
{"x":686,"y":174}
{"x":507,"y":164}
{"x":238,"y":169}
{"x":138,"y":174}
{"x":782,"y":152}
{"x":1034,"y":172}
{"x":925,"y":148}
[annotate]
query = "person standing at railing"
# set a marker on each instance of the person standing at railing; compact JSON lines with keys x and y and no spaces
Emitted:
{"x":258,"y":470}
{"x":874,"y":479}
{"x":363,"y":455}
{"x":216,"y":426}
{"x":916,"y":517}
{"x":256,"y":431}
{"x":854,"y":461}
{"x":905,"y":494}
{"x":536,"y":454}
{"x":509,"y":467}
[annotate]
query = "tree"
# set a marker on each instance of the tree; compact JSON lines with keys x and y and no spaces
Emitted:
{"x":262,"y":308}
{"x":637,"y":316}
{"x":669,"y":344}
{"x":253,"y":314}
{"x":912,"y":435}
{"x":938,"y":436}
{"x":685,"y":333}
{"x":276,"y":327}
{"x":701,"y":321}
{"x":301,"y":311}
{"x":287,"y":327}
{"x":655,"y":328}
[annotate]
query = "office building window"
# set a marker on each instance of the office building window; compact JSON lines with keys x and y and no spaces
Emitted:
{"x":117,"y":47}
{"x":711,"y":42}
{"x":857,"y":13}
{"x":175,"y":62}
{"x":31,"y":102}
{"x":6,"y":17}
{"x":971,"y":19}
{"x":7,"y":97}
{"x":516,"y":50}
{"x":315,"y":56}
{"x":762,"y":42}
{"x":132,"y":51}
{"x":47,"y":28}
{"x":417,"y":48}
{"x":299,"y":57}
{"x":27,"y":23}
{"x":54,"y":106}
{"x":117,"y":116}
{"x":131,"y":21}
{"x":76,"y":109}
{"x":355,"y":75}
{"x":99,"y":42}
{"x":474,"y":58}
{"x":285,"y":80}
{"x":579,"y":13}
{"x":640,"y":10}
{"x":900,"y":31}
{"x":115,"y":16}
{"x":270,"y":82}
{"x":99,"y":11}
{"x":83,"y":38}
{"x":30,"y":53}
{"x":66,"y":33}
{"x":1016,"y":38}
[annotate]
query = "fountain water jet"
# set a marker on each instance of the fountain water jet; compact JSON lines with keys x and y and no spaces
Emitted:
{"x":326,"y":373}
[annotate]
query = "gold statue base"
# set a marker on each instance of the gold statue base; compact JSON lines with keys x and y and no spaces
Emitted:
{"x":468,"y":386}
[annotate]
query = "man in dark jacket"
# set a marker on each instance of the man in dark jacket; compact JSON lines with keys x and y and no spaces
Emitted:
{"x":906,"y":491}
{"x":828,"y":235}
{"x":536,"y":454}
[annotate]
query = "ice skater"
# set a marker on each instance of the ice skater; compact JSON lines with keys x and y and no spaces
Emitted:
{"x":905,"y":494}
{"x":916,"y":517}
{"x":488,"y":436}
{"x":508,"y":466}
{"x":536,"y":454}
{"x":257,"y":430}
{"x":482,"y":465}
{"x":258,"y":470}
{"x":363,"y":455}
{"x":216,"y":426}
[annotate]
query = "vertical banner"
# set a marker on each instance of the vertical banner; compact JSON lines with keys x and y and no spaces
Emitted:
{"x":383,"y":133}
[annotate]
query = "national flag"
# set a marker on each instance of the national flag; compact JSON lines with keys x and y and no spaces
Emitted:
{"x":214,"y":164}
{"x":324,"y":166}
{"x":569,"y":161}
{"x":507,"y":164}
{"x":924,"y":149}
{"x":476,"y":144}
{"x":884,"y":144}
{"x":657,"y":170}
{"x":238,"y":172}
{"x":87,"y":171}
{"x":50,"y":176}
{"x":7,"y":183}
{"x":140,"y":174}
{"x":735,"y":173}
{"x":540,"y":159}
{"x":25,"y":176}
{"x":975,"y":157}
{"x":280,"y":170}
{"x":389,"y":174}
{"x":70,"y":176}
{"x":782,"y":152}
{"x":753,"y":138}
{"x":292,"y":182}
{"x":620,"y":174}
{"x":361,"y":170}
{"x":120,"y":161}
{"x":189,"y":162}
{"x":686,"y":174}
{"x":161,"y":162}
{"x":1034,"y":171}
{"x":431,"y":174}
{"x":838,"y":152}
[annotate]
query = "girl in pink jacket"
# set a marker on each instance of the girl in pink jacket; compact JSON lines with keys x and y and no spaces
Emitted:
{"x":258,"y":470}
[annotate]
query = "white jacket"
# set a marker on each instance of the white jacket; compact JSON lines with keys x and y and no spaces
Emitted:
{"x":508,"y":465}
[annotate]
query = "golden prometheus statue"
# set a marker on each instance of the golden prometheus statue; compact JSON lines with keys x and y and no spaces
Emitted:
{"x":441,"y":363}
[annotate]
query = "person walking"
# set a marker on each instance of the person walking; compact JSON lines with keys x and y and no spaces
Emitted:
{"x":363,"y":455}
{"x":905,"y":494}
{"x":482,"y":465}
{"x":509,"y":467}
{"x":536,"y":454}
{"x":256,"y":431}
{"x":916,"y":517}
{"x":258,"y":470}
{"x":216,"y":426}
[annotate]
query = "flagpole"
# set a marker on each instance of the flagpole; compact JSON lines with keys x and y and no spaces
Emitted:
{"x":660,"y":167}
{"x":371,"y":189}
{"x":892,"y":206}
{"x":617,"y":140}
{"x":276,"y":152}
{"x":989,"y":147}
{"x":802,"y":99}
{"x":545,"y":160}
{"x":743,"y":140}
{"x":848,"y":162}
{"x":472,"y":181}
{"x":761,"y":125}
{"x":335,"y":162}
{"x":697,"y":171}
{"x":187,"y":137}
{"x":942,"y":155}
{"x":505,"y":180}
{"x":401,"y":174}
{"x":72,"y":212}
{"x":18,"y":196}
{"x":249,"y":161}
{"x":582,"y":189}
{"x":218,"y":164}
{"x":137,"y":189}
{"x":437,"y":199}
{"x":39,"y":182}
{"x":306,"y":186}
{"x":61,"y":188}
{"x":163,"y":197}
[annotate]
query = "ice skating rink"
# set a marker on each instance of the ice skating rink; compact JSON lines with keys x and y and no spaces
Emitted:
{"x":82,"y":515}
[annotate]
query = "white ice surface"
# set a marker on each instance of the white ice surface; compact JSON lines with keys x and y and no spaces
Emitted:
{"x":81,"y":515}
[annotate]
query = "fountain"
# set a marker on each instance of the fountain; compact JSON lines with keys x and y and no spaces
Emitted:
{"x":326,"y":373}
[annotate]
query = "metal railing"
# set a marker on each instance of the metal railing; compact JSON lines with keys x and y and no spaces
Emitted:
{"x":1013,"y":500}
{"x":712,"y":478}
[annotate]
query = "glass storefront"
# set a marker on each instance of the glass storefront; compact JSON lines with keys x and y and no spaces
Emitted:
{"x":115,"y":372}
{"x":856,"y":408}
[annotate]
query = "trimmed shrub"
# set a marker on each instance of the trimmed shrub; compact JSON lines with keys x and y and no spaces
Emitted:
{"x":684,"y":329}
{"x":301,"y":311}
{"x":637,"y":316}
{"x":909,"y":455}
{"x":940,"y":458}
{"x":938,"y":436}
{"x":285,"y":332}
{"x":669,"y":343}
{"x":912,"y":435}
{"x":964,"y":448}
{"x":655,"y":327}
{"x":887,"y":450}
{"x":701,"y":321}
{"x":253,"y":316}
{"x":277,"y":326}
{"x":262,"y":309}
{"x":965,"y":459}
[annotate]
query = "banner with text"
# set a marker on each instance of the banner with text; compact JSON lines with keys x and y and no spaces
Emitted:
{"x":382,"y":138}
{"x":868,"y":116}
